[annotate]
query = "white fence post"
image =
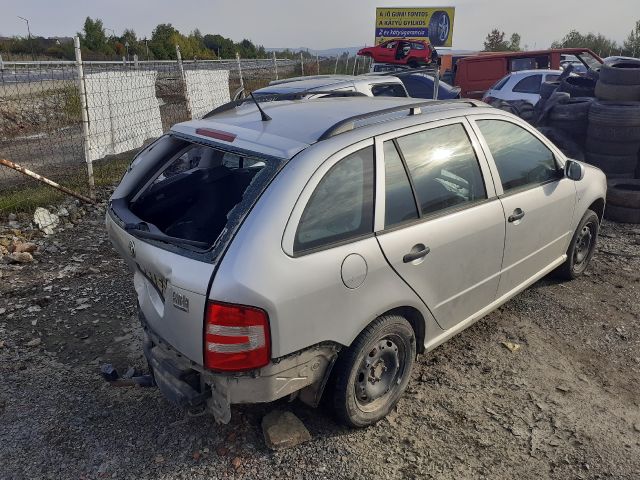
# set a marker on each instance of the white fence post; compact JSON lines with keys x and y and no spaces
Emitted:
{"x":301,"y":64}
{"x":318,"y":64}
{"x":355,"y":63}
{"x":85,"y":118}
{"x":240,"y":70}
{"x":335,"y":70}
{"x":184,"y":80}
{"x":1,"y":63}
{"x":275,"y":64}
{"x":135,"y":61}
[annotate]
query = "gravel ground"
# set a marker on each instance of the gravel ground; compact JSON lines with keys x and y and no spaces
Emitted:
{"x":566,"y":404}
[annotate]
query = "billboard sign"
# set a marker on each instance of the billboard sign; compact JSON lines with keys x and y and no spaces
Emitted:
{"x":434,"y":24}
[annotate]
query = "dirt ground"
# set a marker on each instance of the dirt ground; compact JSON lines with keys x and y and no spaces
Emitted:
{"x":565,"y":405}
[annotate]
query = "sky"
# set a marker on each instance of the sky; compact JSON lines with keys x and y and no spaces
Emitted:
{"x":321,"y":25}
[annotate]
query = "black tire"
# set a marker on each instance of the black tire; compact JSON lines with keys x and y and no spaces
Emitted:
{"x":622,"y":214}
{"x":614,"y":134}
{"x":621,"y":73}
{"x":613,"y":164}
{"x":575,"y":130}
{"x":413,"y":63}
{"x":437,"y":34}
{"x":353,"y":390}
{"x":624,"y":93}
{"x":579,"y":253}
{"x":615,"y":114}
{"x":523,"y":109}
{"x":595,"y":145}
{"x":624,"y":193}
{"x":574,"y":109}
{"x":548,"y":88}
{"x":578,"y":86}
{"x":564,"y":142}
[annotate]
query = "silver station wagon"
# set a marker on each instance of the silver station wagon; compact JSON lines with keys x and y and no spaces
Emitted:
{"x":311,"y":248}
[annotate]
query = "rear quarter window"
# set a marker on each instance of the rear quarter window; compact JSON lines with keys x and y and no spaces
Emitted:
{"x":341,"y":206}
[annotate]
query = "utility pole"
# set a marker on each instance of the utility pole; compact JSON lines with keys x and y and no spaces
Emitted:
{"x":33,"y":56}
{"x":146,"y":44}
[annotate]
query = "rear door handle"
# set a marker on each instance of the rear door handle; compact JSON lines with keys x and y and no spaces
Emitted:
{"x":415,"y":255}
{"x":517,"y":214}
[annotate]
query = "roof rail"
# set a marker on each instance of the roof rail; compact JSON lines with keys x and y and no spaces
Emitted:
{"x":410,"y":71}
{"x":348,"y":124}
{"x":281,"y":97}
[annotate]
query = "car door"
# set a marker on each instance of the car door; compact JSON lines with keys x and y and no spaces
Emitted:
{"x":443,"y":225}
{"x":387,"y":52}
{"x":537,"y":198}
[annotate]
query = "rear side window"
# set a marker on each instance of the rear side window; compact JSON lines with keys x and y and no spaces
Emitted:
{"x":341,"y":207}
{"x":388,"y":90}
{"x":552,"y":78}
{"x":399,"y":205}
{"x":521,"y":158}
{"x":530,"y":84}
{"x":443,"y":167}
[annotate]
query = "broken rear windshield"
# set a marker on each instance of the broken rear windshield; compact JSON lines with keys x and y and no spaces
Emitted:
{"x":199,"y":192}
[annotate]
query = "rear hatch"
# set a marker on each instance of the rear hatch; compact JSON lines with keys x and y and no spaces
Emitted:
{"x":171,"y":219}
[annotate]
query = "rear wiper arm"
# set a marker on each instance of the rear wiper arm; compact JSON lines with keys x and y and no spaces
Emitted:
{"x":136,"y":232}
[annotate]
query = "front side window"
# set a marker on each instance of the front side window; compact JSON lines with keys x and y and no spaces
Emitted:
{"x":444,"y":168}
{"x":521,"y":158}
{"x":530,"y":84}
{"x":341,"y":207}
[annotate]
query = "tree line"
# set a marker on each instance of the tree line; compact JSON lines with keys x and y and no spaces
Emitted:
{"x":100,"y":43}
{"x":496,"y":41}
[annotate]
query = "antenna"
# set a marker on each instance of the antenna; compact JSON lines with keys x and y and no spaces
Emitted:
{"x":265,"y":117}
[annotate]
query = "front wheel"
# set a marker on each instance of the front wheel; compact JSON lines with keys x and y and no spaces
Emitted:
{"x":581,"y":248}
{"x":371,"y":375}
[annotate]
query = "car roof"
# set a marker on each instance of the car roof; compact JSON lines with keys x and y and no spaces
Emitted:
{"x":535,"y":71}
{"x":295,"y":125}
{"x":320,"y":82}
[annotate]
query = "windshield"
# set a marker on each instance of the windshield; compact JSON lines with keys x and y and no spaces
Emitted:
{"x":588,"y":59}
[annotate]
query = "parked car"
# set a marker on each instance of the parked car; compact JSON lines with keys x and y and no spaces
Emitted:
{"x":273,"y":257}
{"x":421,"y":85}
{"x":523,"y":85}
{"x":369,"y":85}
{"x":476,"y":74}
{"x":400,"y":51}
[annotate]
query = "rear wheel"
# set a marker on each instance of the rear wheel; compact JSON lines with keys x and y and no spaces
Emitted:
{"x":371,"y":375}
{"x":581,"y":248}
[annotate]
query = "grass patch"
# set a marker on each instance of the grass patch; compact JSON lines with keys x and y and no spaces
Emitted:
{"x":26,"y":197}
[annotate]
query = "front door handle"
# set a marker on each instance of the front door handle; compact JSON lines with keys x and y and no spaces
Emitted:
{"x":517,"y":214}
{"x":417,"y":252}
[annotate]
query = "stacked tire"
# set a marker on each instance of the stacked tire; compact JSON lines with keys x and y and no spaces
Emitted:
{"x":619,"y":81}
{"x":613,"y":137}
{"x":623,"y":201}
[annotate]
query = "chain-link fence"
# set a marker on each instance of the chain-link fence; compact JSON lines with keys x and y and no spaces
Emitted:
{"x":63,"y":120}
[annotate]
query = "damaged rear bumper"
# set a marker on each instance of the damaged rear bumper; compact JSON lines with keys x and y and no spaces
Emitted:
{"x":190,"y":386}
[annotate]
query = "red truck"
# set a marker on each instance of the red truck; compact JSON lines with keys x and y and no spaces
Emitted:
{"x":476,"y":74}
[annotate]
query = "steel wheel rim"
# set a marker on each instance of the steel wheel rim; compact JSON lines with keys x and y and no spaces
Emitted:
{"x":381,"y":369}
{"x":583,"y":246}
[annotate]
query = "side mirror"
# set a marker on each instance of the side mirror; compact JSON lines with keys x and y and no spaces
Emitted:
{"x":574,"y":170}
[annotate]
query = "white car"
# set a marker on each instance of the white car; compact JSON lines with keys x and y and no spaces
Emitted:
{"x":522,"y":85}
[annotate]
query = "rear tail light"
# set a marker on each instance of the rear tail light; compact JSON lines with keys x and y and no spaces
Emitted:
{"x":236,"y":337}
